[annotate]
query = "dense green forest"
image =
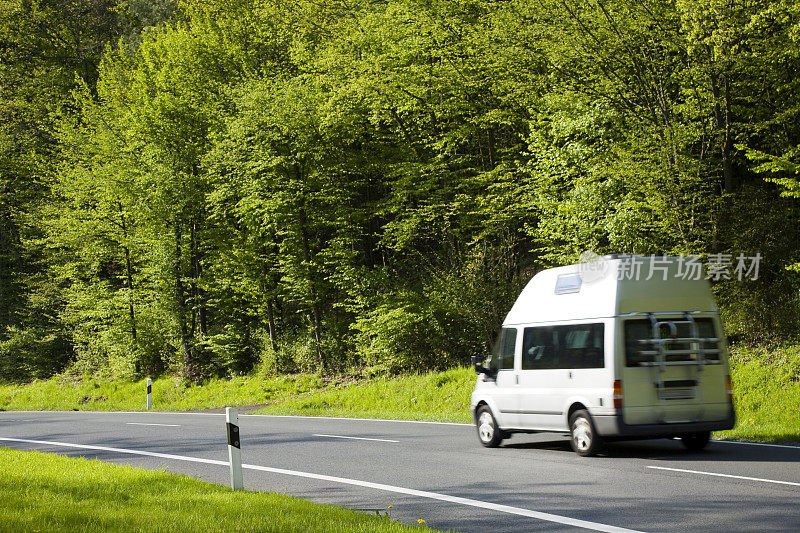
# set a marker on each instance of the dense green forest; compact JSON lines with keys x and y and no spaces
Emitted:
{"x":214,"y":186}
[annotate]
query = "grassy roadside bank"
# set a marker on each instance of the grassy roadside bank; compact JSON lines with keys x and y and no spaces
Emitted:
{"x":766,"y":386}
{"x":44,"y":492}
{"x":766,"y":383}
{"x":441,"y":396}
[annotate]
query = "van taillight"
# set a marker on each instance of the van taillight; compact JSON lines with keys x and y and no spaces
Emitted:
{"x":729,"y":385}
{"x":618,"y":394}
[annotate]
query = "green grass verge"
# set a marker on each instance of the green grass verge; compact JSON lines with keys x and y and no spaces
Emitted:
{"x":442,"y":396}
{"x":766,"y":386}
{"x":766,"y":383}
{"x":43,"y":492}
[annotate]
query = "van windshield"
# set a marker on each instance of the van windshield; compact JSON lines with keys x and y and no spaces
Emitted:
{"x":503,"y":350}
{"x":640,"y":352}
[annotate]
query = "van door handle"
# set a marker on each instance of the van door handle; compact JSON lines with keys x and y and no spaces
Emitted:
{"x":516,"y":379}
{"x":569,"y":375}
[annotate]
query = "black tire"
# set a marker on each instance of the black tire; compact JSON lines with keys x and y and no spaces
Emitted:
{"x":696,"y":441}
{"x":488,"y":433}
{"x":584,"y":439}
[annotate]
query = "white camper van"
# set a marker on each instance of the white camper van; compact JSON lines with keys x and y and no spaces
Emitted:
{"x":619,"y":347}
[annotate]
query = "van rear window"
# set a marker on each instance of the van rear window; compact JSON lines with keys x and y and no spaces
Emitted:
{"x":573,"y":346}
{"x":638,"y":353}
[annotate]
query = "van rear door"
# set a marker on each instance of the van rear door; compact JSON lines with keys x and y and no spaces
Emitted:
{"x":674,"y":369}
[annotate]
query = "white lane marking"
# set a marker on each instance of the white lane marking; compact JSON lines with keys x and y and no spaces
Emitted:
{"x":354,"y":438}
{"x":367,"y":419}
{"x":574,"y":522}
{"x":757,"y":444}
{"x":146,"y":424}
{"x":118,"y":450}
{"x":794,"y":484}
{"x":183,"y":413}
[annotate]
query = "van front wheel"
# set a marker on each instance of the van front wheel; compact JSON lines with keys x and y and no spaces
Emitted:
{"x":696,"y":441}
{"x":585,"y":441}
{"x":489,"y":434}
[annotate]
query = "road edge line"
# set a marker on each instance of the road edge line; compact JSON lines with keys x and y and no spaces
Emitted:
{"x":732,"y":476}
{"x":574,"y":522}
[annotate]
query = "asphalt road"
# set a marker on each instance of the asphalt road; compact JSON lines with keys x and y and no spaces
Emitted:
{"x":439,"y":472}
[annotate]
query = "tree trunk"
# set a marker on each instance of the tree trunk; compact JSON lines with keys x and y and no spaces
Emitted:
{"x":189,"y":369}
{"x":492,"y":149}
{"x":271,"y":324}
{"x":129,"y":275}
{"x":199,"y":314}
{"x":318,"y":334}
{"x":312,"y":292}
{"x":193,"y":284}
{"x":727,"y":143}
{"x":722,"y":119}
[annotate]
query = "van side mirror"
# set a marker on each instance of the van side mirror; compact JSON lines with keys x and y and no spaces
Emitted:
{"x":477,"y":364}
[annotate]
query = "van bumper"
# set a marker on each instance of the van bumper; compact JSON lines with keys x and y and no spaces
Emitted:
{"x":613,"y":426}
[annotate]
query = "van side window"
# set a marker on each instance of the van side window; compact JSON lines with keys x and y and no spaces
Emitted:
{"x":573,"y":346}
{"x":639,"y":353}
{"x":504,"y":348}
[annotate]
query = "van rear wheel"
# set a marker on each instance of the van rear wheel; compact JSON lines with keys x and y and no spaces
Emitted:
{"x":584,"y":439}
{"x":489,"y":434}
{"x":696,"y":441}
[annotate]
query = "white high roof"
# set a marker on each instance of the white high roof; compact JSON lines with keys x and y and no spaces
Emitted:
{"x":609,"y":287}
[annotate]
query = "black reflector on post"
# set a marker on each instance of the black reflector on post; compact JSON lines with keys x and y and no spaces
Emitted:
{"x":234,"y":447}
{"x":149,"y":393}
{"x":233,"y":435}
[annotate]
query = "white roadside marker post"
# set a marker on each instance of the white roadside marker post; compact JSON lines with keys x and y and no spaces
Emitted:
{"x":234,"y":447}
{"x":149,"y":393}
